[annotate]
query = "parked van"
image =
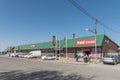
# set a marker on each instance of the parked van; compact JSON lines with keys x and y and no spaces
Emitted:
{"x":33,"y":54}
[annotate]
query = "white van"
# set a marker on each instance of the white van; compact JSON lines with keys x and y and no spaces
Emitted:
{"x":33,"y":54}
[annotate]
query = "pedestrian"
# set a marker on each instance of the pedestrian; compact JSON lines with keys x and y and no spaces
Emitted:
{"x":90,"y":57}
{"x":86,"y":58}
{"x":76,"y":56}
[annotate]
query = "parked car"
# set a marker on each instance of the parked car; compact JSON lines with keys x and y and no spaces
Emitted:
{"x":21,"y":55}
{"x":113,"y":59}
{"x":13,"y":54}
{"x":49,"y":57}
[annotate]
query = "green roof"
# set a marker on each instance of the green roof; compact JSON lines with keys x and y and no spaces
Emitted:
{"x":70,"y":43}
{"x":35,"y":46}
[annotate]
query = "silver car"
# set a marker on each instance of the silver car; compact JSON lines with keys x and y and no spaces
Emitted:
{"x":113,"y":59}
{"x":49,"y":57}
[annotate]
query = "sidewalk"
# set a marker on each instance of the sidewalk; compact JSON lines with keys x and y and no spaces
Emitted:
{"x":64,"y":60}
{"x":71,"y":61}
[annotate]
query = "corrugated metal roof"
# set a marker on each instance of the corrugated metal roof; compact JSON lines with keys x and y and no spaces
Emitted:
{"x":70,"y":43}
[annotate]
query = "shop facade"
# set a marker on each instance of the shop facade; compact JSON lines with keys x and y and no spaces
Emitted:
{"x":73,"y":48}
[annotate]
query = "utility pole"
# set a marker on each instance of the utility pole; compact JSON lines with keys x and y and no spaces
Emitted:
{"x":66,"y":49}
{"x":95,"y":32}
{"x":59,"y":50}
{"x":65,"y":44}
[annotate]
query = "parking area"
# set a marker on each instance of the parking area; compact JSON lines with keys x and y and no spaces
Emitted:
{"x":35,"y":68}
{"x":13,"y":68}
{"x":69,"y":61}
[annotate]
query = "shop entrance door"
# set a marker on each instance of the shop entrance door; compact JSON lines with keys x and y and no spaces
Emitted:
{"x":86,"y":56}
{"x":87,"y":53}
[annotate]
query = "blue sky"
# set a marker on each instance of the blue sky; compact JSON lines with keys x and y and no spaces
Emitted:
{"x":34,"y":21}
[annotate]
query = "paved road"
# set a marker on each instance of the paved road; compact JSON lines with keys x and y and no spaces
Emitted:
{"x":34,"y":69}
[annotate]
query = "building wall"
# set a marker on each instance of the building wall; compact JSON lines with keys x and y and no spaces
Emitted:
{"x":109,"y":46}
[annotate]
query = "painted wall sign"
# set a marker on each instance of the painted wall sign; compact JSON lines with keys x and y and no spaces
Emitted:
{"x":85,"y":42}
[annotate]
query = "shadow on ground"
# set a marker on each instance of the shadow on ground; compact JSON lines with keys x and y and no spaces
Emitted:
{"x":39,"y":75}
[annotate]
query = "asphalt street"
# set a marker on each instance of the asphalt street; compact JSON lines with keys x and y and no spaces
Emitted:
{"x":35,"y":69}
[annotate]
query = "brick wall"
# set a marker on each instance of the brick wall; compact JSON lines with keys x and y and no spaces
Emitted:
{"x":109,"y":46}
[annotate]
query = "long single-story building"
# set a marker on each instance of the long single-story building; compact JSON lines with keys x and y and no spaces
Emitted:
{"x":72,"y":47}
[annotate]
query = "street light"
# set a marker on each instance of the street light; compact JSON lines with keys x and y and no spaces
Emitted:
{"x":95,"y":32}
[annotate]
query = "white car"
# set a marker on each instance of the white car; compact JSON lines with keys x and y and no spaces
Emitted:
{"x":21,"y":55}
{"x":12,"y":55}
{"x":49,"y":57}
{"x":27,"y":56}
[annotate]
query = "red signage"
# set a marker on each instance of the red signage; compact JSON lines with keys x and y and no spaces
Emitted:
{"x":85,"y":42}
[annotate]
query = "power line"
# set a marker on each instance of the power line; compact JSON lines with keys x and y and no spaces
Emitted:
{"x":79,"y":7}
{"x":107,"y":27}
{"x":82,"y":9}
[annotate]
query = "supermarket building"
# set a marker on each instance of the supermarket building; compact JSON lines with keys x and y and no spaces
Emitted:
{"x":74,"y":47}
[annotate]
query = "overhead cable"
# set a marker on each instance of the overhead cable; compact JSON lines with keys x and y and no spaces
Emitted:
{"x":79,"y":7}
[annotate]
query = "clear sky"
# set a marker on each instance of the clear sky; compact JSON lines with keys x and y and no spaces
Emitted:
{"x":34,"y":21}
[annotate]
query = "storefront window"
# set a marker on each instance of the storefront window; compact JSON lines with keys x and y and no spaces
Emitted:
{"x":71,"y":50}
{"x":98,"y":50}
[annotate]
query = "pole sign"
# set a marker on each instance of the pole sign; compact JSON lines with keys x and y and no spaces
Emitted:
{"x":54,"y":40}
{"x":85,"y":42}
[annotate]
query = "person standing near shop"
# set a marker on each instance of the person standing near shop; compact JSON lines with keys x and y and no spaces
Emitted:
{"x":86,"y":58}
{"x":76,"y":56}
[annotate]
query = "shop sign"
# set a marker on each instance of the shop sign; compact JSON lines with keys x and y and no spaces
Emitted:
{"x":85,"y":42}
